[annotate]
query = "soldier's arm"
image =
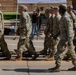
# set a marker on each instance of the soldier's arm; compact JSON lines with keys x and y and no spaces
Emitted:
{"x":75,"y":25}
{"x":18,"y":29}
{"x":74,"y":22}
{"x":51,"y":24}
{"x":47,"y":27}
{"x":56,"y":35}
{"x":69,"y":28}
{"x":27,"y":24}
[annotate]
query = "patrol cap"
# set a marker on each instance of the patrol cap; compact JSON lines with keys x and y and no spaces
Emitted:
{"x":70,"y":7}
{"x":56,"y":8}
{"x":23,"y":7}
{"x":63,"y":6}
{"x":47,"y":10}
{"x":51,"y":8}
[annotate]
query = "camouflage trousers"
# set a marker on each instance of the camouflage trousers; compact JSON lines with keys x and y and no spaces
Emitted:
{"x":47,"y":43}
{"x":3,"y":46}
{"x":54,"y":45}
{"x":74,"y":42}
{"x":63,"y":48}
{"x":25,"y":44}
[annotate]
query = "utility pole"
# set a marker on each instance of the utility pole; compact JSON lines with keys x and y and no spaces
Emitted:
{"x":73,"y":4}
{"x":16,"y":19}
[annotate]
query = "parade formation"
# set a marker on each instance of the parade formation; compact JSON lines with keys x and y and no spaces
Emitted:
{"x":60,"y":35}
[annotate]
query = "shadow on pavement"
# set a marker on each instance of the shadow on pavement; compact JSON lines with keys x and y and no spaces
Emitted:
{"x":28,"y":70}
{"x":31,"y":70}
{"x":17,"y":70}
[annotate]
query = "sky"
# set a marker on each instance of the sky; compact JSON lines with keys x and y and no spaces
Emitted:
{"x":41,"y":1}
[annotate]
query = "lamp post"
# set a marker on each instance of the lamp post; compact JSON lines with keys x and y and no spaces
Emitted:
{"x":16,"y":16}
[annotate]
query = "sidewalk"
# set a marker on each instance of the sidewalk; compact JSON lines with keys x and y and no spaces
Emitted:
{"x":33,"y":68}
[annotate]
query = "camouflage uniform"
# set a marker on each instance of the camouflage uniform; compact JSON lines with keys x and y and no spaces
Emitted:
{"x":66,"y":40}
{"x":56,"y":22}
{"x":3,"y":44}
{"x":73,"y":16}
{"x":25,"y":29}
{"x":48,"y":30}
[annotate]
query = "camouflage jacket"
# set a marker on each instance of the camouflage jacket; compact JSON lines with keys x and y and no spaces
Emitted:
{"x":74,"y":20}
{"x":25,"y":26}
{"x":66,"y":27}
{"x":56,"y":22}
{"x":49,"y":27}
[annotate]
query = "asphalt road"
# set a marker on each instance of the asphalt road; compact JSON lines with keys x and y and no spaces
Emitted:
{"x":29,"y":67}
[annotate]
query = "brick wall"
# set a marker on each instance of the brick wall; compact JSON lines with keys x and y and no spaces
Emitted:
{"x":8,"y":5}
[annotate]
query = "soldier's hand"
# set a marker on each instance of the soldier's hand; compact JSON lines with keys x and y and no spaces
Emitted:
{"x":69,"y":43}
{"x":44,"y":32}
{"x":17,"y":32}
{"x":27,"y":36}
{"x":49,"y":35}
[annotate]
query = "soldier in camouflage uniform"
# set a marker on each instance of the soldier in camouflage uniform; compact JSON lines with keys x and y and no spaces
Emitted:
{"x":48,"y":30}
{"x":66,"y":39}
{"x":73,"y":16}
{"x":56,"y":21}
{"x":25,"y":29}
{"x":3,"y":44}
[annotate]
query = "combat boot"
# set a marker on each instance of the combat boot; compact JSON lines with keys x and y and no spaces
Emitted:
{"x":50,"y":58}
{"x":19,"y":55}
{"x":18,"y":58}
{"x":43,"y":52}
{"x":8,"y":57}
{"x":35,"y":56}
{"x":72,"y":69}
{"x":55,"y":69}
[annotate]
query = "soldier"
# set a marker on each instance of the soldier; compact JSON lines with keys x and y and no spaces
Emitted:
{"x":73,"y":16}
{"x":66,"y":39}
{"x":24,"y":29}
{"x":56,"y":22}
{"x":69,"y":10}
{"x":47,"y":42}
{"x":3,"y":44}
{"x":44,"y":51}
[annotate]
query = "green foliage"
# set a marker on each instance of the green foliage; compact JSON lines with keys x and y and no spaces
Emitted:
{"x":10,"y":15}
{"x":13,"y":15}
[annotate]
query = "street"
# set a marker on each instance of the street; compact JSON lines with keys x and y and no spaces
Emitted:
{"x":31,"y":67}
